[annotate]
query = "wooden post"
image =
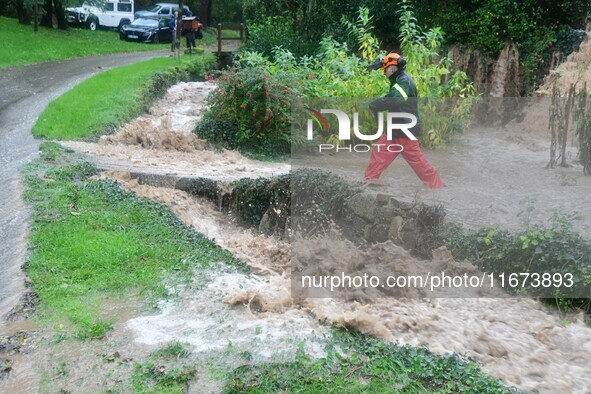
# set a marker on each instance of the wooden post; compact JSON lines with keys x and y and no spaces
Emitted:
{"x":241,"y":33}
{"x":36,"y":12}
{"x":219,"y":37}
{"x":567,"y":114}
{"x":179,"y":27}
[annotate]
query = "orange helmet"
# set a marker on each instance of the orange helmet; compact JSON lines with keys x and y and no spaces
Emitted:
{"x":393,"y":59}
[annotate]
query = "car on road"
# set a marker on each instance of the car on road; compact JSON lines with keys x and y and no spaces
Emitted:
{"x":111,"y":14}
{"x":148,"y":29}
{"x":163,"y":10}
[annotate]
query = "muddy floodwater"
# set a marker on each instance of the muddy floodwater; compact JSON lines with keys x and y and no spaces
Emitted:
{"x":492,"y":176}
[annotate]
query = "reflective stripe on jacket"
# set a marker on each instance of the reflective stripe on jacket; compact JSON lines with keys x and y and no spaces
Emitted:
{"x":402,"y":97}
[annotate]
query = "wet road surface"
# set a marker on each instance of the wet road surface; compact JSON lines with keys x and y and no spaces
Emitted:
{"x":24,"y":94}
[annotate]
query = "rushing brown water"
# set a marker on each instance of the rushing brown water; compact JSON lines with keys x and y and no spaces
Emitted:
{"x":519,"y":341}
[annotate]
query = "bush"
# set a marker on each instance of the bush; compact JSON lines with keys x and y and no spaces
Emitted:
{"x":258,"y":104}
{"x":556,"y":249}
{"x":277,"y":31}
{"x":448,"y":108}
{"x":255,"y":95}
{"x":218,"y":132}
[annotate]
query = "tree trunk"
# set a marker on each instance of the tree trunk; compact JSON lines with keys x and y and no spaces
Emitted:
{"x":21,"y":12}
{"x":179,"y":27}
{"x":47,"y":19}
{"x":209,"y":8}
{"x":205,"y":12}
{"x":60,"y":14}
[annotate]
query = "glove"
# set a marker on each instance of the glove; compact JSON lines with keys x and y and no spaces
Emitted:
{"x":377,"y":64}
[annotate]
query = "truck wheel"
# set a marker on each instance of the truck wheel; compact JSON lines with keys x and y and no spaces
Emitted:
{"x":123,"y":22}
{"x":92,"y":23}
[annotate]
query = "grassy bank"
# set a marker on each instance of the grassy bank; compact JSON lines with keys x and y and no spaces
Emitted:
{"x":358,"y":363}
{"x":100,"y":104}
{"x":90,"y":240}
{"x":21,"y":45}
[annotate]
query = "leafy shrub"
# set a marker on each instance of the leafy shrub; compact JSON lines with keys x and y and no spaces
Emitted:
{"x":255,"y":94}
{"x":274,"y":32}
{"x":258,"y":103}
{"x":219,"y":132}
{"x":554,"y":249}
{"x":362,"y":30}
{"x":448,"y":109}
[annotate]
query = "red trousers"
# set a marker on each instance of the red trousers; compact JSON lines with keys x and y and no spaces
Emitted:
{"x":384,"y":152}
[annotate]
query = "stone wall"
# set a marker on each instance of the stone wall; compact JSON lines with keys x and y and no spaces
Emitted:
{"x":381,"y":217}
{"x":362,"y":216}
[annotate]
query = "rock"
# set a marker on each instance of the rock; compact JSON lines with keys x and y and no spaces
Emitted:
{"x":395,"y":227}
{"x":363,"y":206}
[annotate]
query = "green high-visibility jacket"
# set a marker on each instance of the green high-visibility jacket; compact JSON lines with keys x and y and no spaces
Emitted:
{"x":402,"y":97}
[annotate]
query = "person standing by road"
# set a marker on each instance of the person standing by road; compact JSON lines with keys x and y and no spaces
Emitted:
{"x":191,"y":30}
{"x":172,"y":26}
{"x":402,"y":98}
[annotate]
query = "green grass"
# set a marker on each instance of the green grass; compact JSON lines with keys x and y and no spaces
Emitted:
{"x":164,"y":371}
{"x":90,"y":240}
{"x":358,"y":363}
{"x":21,"y":45}
{"x":100,"y":104}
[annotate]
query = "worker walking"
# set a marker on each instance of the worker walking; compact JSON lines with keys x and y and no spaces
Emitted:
{"x":402,"y":98}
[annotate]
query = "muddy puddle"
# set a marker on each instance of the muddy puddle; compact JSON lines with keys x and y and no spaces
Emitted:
{"x":519,"y":341}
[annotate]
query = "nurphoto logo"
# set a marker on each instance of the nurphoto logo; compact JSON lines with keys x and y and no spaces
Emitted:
{"x":391,"y":122}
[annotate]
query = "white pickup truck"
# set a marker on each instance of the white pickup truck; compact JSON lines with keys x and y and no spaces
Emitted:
{"x":113,"y":14}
